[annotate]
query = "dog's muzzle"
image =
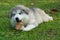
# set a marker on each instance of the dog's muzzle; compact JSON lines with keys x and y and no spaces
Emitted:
{"x":18,"y":24}
{"x":17,"y":19}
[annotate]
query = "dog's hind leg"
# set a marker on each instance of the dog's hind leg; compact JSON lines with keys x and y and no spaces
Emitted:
{"x":44,"y":16}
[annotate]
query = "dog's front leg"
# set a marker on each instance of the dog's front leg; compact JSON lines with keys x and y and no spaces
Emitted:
{"x":29,"y":27}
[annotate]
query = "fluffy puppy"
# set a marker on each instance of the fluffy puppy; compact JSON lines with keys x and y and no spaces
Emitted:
{"x":24,"y":18}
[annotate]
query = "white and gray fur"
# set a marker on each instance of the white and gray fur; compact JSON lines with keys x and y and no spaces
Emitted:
{"x":31,"y":17}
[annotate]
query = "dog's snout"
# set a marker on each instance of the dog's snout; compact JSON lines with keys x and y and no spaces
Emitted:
{"x":17,"y":19}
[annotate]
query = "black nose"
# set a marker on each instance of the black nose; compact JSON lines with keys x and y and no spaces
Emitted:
{"x":17,"y":19}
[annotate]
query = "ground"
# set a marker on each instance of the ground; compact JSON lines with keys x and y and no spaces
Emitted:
{"x":45,"y":31}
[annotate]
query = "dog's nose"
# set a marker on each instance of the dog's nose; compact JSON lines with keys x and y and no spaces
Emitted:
{"x":17,"y":19}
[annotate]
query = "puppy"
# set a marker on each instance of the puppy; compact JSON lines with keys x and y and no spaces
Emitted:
{"x":24,"y":18}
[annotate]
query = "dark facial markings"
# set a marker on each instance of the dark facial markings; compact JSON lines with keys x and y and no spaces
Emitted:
{"x":13,"y":14}
{"x":23,"y":11}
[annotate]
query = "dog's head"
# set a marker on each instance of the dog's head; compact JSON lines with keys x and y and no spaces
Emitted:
{"x":18,"y":14}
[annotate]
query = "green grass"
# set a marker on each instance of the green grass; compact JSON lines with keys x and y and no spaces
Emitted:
{"x":45,"y":31}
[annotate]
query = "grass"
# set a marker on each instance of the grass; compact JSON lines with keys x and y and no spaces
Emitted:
{"x":45,"y":31}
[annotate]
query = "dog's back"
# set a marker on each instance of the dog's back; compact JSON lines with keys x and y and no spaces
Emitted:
{"x":37,"y":15}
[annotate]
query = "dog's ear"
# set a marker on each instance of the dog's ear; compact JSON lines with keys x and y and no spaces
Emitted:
{"x":27,"y":10}
{"x":9,"y":14}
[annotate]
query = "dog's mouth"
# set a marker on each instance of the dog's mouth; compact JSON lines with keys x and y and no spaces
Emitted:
{"x":19,"y":21}
{"x":19,"y":25}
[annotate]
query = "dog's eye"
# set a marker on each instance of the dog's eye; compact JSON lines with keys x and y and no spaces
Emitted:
{"x":20,"y":13}
{"x":13,"y":14}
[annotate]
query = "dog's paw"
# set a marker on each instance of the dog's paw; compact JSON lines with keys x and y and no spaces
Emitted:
{"x":29,"y":27}
{"x":25,"y":30}
{"x":50,"y":18}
